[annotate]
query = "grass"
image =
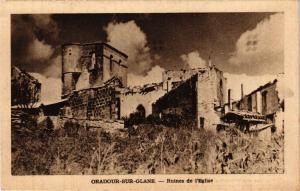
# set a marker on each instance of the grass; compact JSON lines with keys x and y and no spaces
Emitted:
{"x":147,"y":149}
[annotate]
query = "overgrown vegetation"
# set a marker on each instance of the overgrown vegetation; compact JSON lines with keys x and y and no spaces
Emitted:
{"x":144,"y":149}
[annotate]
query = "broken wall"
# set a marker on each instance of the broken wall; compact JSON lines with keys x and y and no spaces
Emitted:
{"x":114,"y":64}
{"x":131,"y":99}
{"x":272,"y":102}
{"x":180,"y":101}
{"x":173,"y":78}
{"x":265,"y":100}
{"x":211,"y":88}
{"x":91,"y":65}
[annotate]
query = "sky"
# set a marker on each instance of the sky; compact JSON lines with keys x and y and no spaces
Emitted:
{"x":247,"y":47}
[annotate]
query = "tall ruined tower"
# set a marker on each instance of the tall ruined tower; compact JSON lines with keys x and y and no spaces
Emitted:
{"x":90,"y":65}
{"x":211,"y":97}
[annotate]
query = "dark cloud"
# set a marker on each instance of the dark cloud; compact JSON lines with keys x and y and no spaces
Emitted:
{"x":168,"y":35}
{"x":154,"y":42}
{"x":33,"y":39}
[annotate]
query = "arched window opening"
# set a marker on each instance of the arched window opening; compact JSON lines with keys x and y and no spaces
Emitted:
{"x":93,"y":61}
{"x":141,"y":112}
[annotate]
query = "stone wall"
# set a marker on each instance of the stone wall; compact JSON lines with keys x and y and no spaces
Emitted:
{"x":211,"y":88}
{"x":94,"y":103}
{"x":132,"y":98}
{"x":98,"y":62}
{"x":180,"y":101}
{"x":114,"y":64}
{"x":264,"y":100}
{"x":196,"y":99}
{"x":173,"y":78}
{"x":71,"y":67}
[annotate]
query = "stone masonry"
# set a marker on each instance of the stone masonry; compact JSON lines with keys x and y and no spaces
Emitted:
{"x":95,"y":87}
{"x":132,"y":98}
{"x":197,"y":99}
{"x":90,"y":65}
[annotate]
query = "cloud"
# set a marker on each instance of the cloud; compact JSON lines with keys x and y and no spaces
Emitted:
{"x":193,"y":60}
{"x":51,"y":88}
{"x":33,"y":37}
{"x":42,"y":20}
{"x":261,"y":50}
{"x":54,"y":67}
{"x":45,"y":27}
{"x":39,"y":50}
{"x":130,"y":39}
{"x":157,"y":57}
{"x":152,"y":76}
{"x":250,"y":83}
{"x":32,"y":40}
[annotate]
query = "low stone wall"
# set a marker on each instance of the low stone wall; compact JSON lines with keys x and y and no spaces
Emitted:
{"x":88,"y":123}
{"x":59,"y":122}
{"x":56,"y":121}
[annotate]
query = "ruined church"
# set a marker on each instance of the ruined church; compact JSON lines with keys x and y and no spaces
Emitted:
{"x":94,"y":77}
{"x":95,"y":94}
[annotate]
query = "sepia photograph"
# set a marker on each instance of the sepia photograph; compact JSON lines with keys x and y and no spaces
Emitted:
{"x":147,"y":93}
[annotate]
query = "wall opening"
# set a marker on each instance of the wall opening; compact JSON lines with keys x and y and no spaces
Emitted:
{"x":221,"y":92}
{"x":202,"y":119}
{"x":93,"y":61}
{"x":141,"y":112}
{"x":264,"y":102}
{"x":249,"y":103}
{"x":110,"y":63}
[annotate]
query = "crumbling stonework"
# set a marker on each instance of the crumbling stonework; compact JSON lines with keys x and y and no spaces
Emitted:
{"x":95,"y":103}
{"x":180,"y":101}
{"x":173,"y":78}
{"x":90,"y":65}
{"x":211,"y":88}
{"x":196,"y":99}
{"x":132,"y":98}
{"x":194,"y":94}
{"x":263,"y":100}
{"x":266,"y":101}
{"x":95,"y":85}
